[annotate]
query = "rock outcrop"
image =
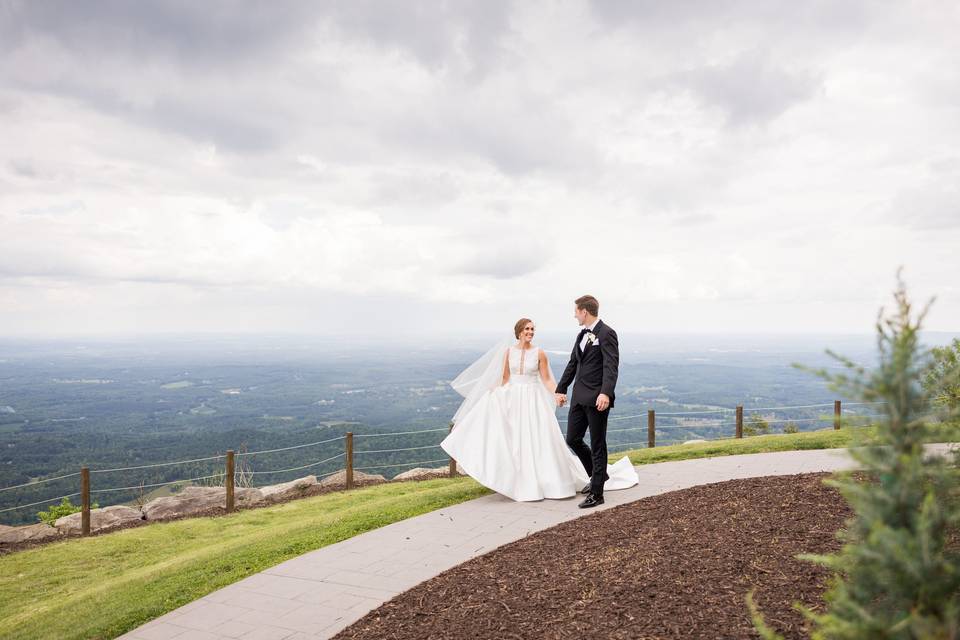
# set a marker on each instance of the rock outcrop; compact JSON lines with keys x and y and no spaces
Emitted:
{"x":339,"y":478}
{"x":287,"y":490}
{"x":29,"y":533}
{"x":194,"y":500}
{"x":104,"y":518}
{"x":423,"y":473}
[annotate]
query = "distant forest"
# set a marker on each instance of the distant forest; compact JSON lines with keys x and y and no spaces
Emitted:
{"x":66,"y":406}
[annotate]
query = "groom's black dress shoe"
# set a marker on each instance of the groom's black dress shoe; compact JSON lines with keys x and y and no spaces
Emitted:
{"x":586,"y":489}
{"x":591,"y":501}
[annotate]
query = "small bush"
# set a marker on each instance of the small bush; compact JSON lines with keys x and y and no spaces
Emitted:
{"x":755,"y":426}
{"x":57,"y":511}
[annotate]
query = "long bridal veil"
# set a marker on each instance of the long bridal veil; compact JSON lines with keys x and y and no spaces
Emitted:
{"x":485,"y":374}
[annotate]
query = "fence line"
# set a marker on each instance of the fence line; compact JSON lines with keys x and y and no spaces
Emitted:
{"x":799,"y":406}
{"x":628,"y":444}
{"x":44,"y":480}
{"x":694,"y":413}
{"x":33,"y":504}
{"x":297,"y":446}
{"x":402,"y":433}
{"x":156,"y":484}
{"x":696,"y":426}
{"x":626,"y":429}
{"x":824,"y":419}
{"x":306,"y":466}
{"x":401,"y":464}
{"x":729,"y":410}
{"x":432,"y":446}
{"x":159,"y":464}
{"x":230,"y":474}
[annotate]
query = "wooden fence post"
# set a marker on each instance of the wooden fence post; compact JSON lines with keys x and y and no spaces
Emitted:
{"x":739,"y":420}
{"x":85,"y":501}
{"x":349,"y":461}
{"x":453,"y":463}
{"x":651,"y":429}
{"x":228,"y":480}
{"x":836,"y":414}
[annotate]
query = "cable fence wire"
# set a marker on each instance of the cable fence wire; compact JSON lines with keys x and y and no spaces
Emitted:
{"x":41,"y":481}
{"x":33,"y":504}
{"x":401,"y":464}
{"x":625,"y":429}
{"x":732,"y":410}
{"x":696,"y":426}
{"x":156,"y":484}
{"x":432,"y":446}
{"x":799,"y":420}
{"x":628,"y":444}
{"x":693,"y":413}
{"x":306,"y":466}
{"x":158,"y":464}
{"x":401,"y":433}
{"x":296,"y":446}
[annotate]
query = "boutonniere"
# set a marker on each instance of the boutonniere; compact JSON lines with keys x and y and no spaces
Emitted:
{"x":591,"y":338}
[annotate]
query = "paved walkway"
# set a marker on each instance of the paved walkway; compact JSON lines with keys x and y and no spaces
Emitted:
{"x":322,"y":592}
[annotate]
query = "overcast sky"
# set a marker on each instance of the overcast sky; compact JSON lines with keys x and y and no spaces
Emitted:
{"x":383,"y":168}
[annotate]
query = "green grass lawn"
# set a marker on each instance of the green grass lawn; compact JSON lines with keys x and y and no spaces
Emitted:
{"x":825,"y":439}
{"x":104,"y":586}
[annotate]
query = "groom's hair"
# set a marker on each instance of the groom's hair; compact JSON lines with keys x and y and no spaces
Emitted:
{"x":521,"y":323}
{"x":588,"y":304}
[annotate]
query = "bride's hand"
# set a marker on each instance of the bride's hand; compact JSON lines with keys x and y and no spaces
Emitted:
{"x":561,"y":399}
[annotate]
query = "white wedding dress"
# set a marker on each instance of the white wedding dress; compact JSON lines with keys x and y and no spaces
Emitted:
{"x":508,"y":439}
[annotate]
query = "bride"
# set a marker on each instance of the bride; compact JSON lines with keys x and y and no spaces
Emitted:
{"x":506,"y":435}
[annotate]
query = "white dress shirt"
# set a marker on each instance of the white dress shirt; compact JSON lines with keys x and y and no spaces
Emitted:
{"x":589,"y":328}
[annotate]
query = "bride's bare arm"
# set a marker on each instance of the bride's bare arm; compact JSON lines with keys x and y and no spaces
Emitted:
{"x":546,"y":374}
{"x":506,"y":369}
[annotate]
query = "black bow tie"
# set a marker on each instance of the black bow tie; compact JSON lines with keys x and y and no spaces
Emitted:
{"x":583,"y":332}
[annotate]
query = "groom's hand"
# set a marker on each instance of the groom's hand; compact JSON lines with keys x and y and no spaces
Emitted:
{"x":561,"y":399}
{"x":603,"y":402}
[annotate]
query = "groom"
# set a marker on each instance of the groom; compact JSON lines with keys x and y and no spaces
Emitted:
{"x":594,"y":362}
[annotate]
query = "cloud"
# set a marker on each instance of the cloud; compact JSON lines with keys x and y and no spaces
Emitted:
{"x":216,"y":32}
{"x":933,"y":207}
{"x":505,"y":256}
{"x":749,"y":90}
{"x":438,"y":35}
{"x":733,"y":164}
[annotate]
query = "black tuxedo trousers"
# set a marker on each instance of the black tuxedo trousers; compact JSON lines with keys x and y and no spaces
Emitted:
{"x":594,"y":458}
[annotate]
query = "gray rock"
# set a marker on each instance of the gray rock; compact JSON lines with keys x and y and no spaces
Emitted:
{"x":29,"y":533}
{"x":99,"y":519}
{"x":287,"y":490}
{"x":196,"y":499}
{"x":422,"y":473}
{"x":339,"y":479}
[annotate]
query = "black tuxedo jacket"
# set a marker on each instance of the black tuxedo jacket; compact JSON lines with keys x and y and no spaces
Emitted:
{"x":595,"y":368}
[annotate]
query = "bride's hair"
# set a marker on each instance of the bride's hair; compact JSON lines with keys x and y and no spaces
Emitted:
{"x":521,"y":323}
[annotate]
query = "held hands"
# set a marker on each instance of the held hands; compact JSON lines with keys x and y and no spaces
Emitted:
{"x":603,"y":402}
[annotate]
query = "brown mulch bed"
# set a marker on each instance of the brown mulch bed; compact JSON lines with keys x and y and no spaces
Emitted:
{"x":678,"y":565}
